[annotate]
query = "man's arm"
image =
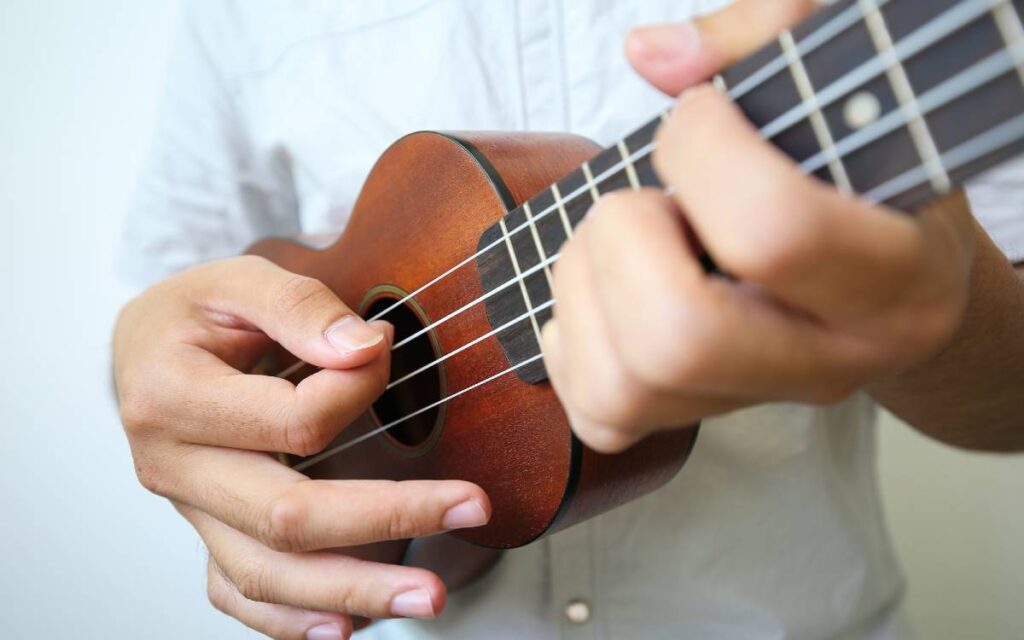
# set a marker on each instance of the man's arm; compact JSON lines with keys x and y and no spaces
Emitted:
{"x":970,"y":394}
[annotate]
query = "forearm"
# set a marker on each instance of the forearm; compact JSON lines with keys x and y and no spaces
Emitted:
{"x":970,"y":395}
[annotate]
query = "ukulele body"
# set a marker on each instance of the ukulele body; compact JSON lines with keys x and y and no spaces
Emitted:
{"x":421,"y":211}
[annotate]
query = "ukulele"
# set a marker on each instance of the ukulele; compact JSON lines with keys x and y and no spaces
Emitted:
{"x":454,"y":235}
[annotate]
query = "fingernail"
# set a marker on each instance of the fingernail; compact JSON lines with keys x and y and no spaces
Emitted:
{"x":328,"y":631}
{"x":351,"y":333}
{"x":412,"y":604}
{"x":669,"y":42}
{"x":464,"y":515}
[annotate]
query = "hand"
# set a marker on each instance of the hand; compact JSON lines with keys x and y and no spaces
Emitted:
{"x":829,"y":292}
{"x":202,"y":433}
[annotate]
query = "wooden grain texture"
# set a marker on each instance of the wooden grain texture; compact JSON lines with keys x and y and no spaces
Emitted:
{"x":421,"y":211}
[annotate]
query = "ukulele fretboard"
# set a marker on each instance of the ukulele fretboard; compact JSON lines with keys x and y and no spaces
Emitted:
{"x":898,"y":101}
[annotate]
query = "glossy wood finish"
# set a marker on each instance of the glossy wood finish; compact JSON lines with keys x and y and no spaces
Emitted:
{"x":421,"y":211}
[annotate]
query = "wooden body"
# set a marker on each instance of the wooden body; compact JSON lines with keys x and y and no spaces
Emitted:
{"x":422,"y":211}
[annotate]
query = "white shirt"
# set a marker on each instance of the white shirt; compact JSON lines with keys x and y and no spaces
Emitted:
{"x":274,"y":114}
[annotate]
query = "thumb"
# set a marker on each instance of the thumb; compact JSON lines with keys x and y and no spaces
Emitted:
{"x":678,"y":55}
{"x":301,"y":314}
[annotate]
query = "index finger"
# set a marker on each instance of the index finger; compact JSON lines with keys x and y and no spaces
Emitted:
{"x":298,"y":312}
{"x":209,"y":402}
{"x":811,"y":247}
{"x":287,"y":511}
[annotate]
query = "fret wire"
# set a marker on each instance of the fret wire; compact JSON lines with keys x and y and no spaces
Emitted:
{"x":996,"y":138}
{"x":834,"y":25}
{"x":1009,"y":23}
{"x":1003,"y":135}
{"x":1008,"y":133}
{"x":589,"y":176}
{"x":644,"y":151}
{"x":556,"y":192}
{"x":937,"y":97}
{"x":807,"y":44}
{"x":900,"y":83}
{"x":630,"y":169}
{"x":818,"y":123}
{"x":536,"y":241}
{"x":949,"y":22}
{"x":921,"y":38}
{"x":519,"y":277}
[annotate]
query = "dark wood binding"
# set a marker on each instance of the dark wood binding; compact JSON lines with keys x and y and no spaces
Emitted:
{"x":940,"y":45}
{"x":421,"y":211}
{"x":434,"y":199}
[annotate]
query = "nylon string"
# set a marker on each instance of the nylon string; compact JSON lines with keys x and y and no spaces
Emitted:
{"x":978,"y":74}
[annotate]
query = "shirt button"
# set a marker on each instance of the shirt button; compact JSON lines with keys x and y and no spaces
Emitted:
{"x":577,"y":611}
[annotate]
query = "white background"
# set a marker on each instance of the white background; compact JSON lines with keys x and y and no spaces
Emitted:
{"x":84,"y":552}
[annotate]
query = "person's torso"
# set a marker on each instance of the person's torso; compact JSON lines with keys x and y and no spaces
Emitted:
{"x":774,"y":528}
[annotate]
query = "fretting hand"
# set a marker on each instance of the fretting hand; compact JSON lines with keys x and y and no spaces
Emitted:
{"x":202,"y":432}
{"x":829,"y":294}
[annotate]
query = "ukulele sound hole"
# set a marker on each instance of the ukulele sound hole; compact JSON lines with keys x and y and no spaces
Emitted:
{"x":421,"y":390}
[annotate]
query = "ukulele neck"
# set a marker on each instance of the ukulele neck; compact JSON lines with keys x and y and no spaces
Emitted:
{"x":898,"y":101}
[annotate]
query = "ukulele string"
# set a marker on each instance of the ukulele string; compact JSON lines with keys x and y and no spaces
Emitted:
{"x":924,"y":37}
{"x":920,"y":39}
{"x":1003,"y":135}
{"x":308,"y":462}
{"x":1006,"y":134}
{"x":966,"y":81}
{"x":430,"y":365}
{"x":805,"y":46}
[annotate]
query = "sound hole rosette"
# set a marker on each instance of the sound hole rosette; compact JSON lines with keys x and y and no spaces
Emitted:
{"x":417,"y":435}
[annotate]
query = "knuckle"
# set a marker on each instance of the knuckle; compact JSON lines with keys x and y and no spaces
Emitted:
{"x":770,"y":252}
{"x":350,"y":600}
{"x":397,"y":523}
{"x":150,"y":477}
{"x":139,"y":413}
{"x":301,"y":292}
{"x":606,"y":440}
{"x":287,"y":522}
{"x":678,"y":351}
{"x":614,"y":201}
{"x":253,"y":581}
{"x":612,"y":399}
{"x":305,"y":437}
{"x":217,"y":591}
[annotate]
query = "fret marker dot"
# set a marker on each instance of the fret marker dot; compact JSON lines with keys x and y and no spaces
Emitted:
{"x":861,"y":109}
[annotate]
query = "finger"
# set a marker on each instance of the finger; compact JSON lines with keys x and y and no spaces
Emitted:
{"x":678,"y":55}
{"x":275,"y":620}
{"x":716,"y":343}
{"x":287,"y":511}
{"x":264,"y":413}
{"x":814,"y":249}
{"x":594,"y":428}
{"x":321,"y":581}
{"x":608,"y":405}
{"x":300,"y":313}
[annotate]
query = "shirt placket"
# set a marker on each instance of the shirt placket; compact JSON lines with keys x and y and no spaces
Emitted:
{"x":544,"y":108}
{"x":573,"y":584}
{"x":541,"y":86}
